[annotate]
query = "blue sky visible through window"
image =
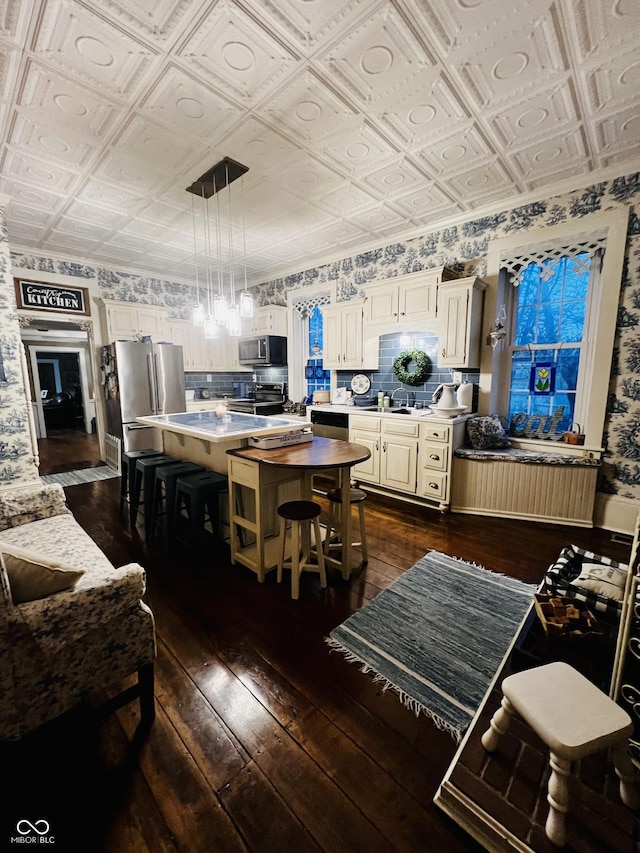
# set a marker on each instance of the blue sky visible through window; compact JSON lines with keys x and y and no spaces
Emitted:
{"x":549,"y":324}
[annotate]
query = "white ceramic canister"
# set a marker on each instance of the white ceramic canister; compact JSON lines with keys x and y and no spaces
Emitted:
{"x":465,"y":396}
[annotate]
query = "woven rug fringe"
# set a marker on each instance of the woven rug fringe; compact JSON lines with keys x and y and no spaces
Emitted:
{"x":408,"y":701}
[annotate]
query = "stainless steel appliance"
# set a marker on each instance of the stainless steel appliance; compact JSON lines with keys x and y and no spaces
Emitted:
{"x":266,"y":350}
{"x":268,"y":398}
{"x":141,"y":379}
{"x":328,"y":424}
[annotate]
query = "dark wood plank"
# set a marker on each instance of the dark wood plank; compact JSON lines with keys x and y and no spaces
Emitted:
{"x":264,"y":739}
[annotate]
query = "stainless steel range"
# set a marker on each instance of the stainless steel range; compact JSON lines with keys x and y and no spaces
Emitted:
{"x":268,"y":399}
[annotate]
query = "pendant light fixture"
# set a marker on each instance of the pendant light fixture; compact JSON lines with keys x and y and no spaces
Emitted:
{"x":222,"y":310}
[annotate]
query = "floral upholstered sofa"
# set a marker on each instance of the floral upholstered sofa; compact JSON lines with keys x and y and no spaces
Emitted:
{"x":57,"y":648}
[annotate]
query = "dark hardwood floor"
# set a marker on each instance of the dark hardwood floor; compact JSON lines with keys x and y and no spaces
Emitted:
{"x":264,"y":740}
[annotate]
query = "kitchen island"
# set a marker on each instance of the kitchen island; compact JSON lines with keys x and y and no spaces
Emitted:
{"x":203,"y":437}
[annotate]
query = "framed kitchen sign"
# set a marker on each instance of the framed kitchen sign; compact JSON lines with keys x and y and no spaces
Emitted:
{"x":40,"y":296}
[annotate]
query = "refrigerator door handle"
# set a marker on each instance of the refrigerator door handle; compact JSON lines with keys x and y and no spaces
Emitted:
{"x":156,"y":385}
{"x":136,"y":426}
{"x":152,"y":385}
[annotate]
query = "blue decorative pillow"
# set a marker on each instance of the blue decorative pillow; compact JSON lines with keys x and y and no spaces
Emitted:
{"x":487,"y":433}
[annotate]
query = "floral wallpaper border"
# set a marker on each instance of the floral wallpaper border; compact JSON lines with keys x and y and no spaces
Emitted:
{"x":464,"y":248}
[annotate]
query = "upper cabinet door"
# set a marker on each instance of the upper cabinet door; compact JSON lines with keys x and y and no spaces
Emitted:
{"x":417,"y":300}
{"x":460,"y":318}
{"x":382,"y":305}
{"x":407,"y":302}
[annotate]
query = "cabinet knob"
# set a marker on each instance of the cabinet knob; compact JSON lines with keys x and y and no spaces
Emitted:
{"x":384,"y":446}
{"x":402,"y":313}
{"x":444,"y":352}
{"x":377,"y":444}
{"x":434,"y":456}
{"x":433,"y":486}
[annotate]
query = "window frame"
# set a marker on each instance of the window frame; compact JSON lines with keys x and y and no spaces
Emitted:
{"x":600,"y":322}
{"x":298,"y":336}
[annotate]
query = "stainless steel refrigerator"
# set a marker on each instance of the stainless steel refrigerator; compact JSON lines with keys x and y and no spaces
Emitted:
{"x":141,"y":379}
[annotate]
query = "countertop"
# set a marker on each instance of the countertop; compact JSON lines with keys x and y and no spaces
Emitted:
{"x":234,"y":425}
{"x":414,"y":414}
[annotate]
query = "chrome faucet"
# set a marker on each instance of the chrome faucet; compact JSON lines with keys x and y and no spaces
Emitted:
{"x":402,"y":390}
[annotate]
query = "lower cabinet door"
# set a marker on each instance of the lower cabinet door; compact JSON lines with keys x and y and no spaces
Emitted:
{"x":369,"y":470}
{"x":398,"y":468}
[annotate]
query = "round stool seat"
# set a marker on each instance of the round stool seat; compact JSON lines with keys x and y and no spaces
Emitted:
{"x":299,"y":510}
{"x":355,"y":496}
{"x":300,"y":516}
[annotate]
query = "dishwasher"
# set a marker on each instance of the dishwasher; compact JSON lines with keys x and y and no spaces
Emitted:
{"x":327,"y":424}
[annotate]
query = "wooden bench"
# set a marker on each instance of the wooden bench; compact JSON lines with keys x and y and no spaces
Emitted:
{"x":531,"y":485}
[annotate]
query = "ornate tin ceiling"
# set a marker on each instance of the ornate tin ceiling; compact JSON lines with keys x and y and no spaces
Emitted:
{"x":361,"y":121}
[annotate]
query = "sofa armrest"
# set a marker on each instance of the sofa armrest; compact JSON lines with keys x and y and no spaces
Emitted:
{"x":67,"y":616}
{"x":21,"y":506}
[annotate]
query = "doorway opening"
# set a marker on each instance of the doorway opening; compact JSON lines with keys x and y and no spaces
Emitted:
{"x":62,"y":390}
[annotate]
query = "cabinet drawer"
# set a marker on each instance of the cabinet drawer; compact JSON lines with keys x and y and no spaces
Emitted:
{"x":400,"y":427}
{"x":434,"y":456}
{"x":434,"y":484}
{"x":362,"y":422}
{"x":244,"y":472}
{"x":435,"y":432}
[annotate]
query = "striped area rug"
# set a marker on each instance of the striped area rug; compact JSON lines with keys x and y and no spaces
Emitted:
{"x":437,"y":636}
{"x":82,"y":475}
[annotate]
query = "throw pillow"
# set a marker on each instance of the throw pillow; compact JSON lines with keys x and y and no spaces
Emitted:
{"x":604,"y":579}
{"x":487,"y":433}
{"x":32,"y":576}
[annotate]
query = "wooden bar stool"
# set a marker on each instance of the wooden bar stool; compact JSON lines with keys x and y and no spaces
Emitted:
{"x":574,"y":719}
{"x":141,"y":494}
{"x":128,"y":470}
{"x":301,"y":514}
{"x":164,"y":491}
{"x":199,"y":494}
{"x":334,"y":496}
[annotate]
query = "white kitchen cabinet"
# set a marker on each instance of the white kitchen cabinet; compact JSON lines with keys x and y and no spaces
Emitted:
{"x":393,"y":443}
{"x":406,"y":302}
{"x":127,"y":321}
{"x":344,"y":345}
{"x":438,"y":440}
{"x":460,"y":322}
{"x":210,"y":355}
{"x":268,"y":320}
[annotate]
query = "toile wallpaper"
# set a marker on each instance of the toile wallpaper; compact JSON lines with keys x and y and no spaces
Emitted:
{"x":17,"y":462}
{"x":464,"y":248}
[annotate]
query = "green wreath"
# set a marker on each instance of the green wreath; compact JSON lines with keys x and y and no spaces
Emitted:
{"x":417,"y":376}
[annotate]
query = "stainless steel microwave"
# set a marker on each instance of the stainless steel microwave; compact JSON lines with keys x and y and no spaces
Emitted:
{"x":266,"y":349}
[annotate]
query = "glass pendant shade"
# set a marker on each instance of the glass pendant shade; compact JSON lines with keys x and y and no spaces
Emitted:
{"x":211,"y":328}
{"x":234,"y":326}
{"x":246,"y":304}
{"x":199,"y":315}
{"x":220,"y":309}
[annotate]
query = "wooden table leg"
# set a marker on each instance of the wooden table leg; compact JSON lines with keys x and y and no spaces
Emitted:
{"x":345,"y":510}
